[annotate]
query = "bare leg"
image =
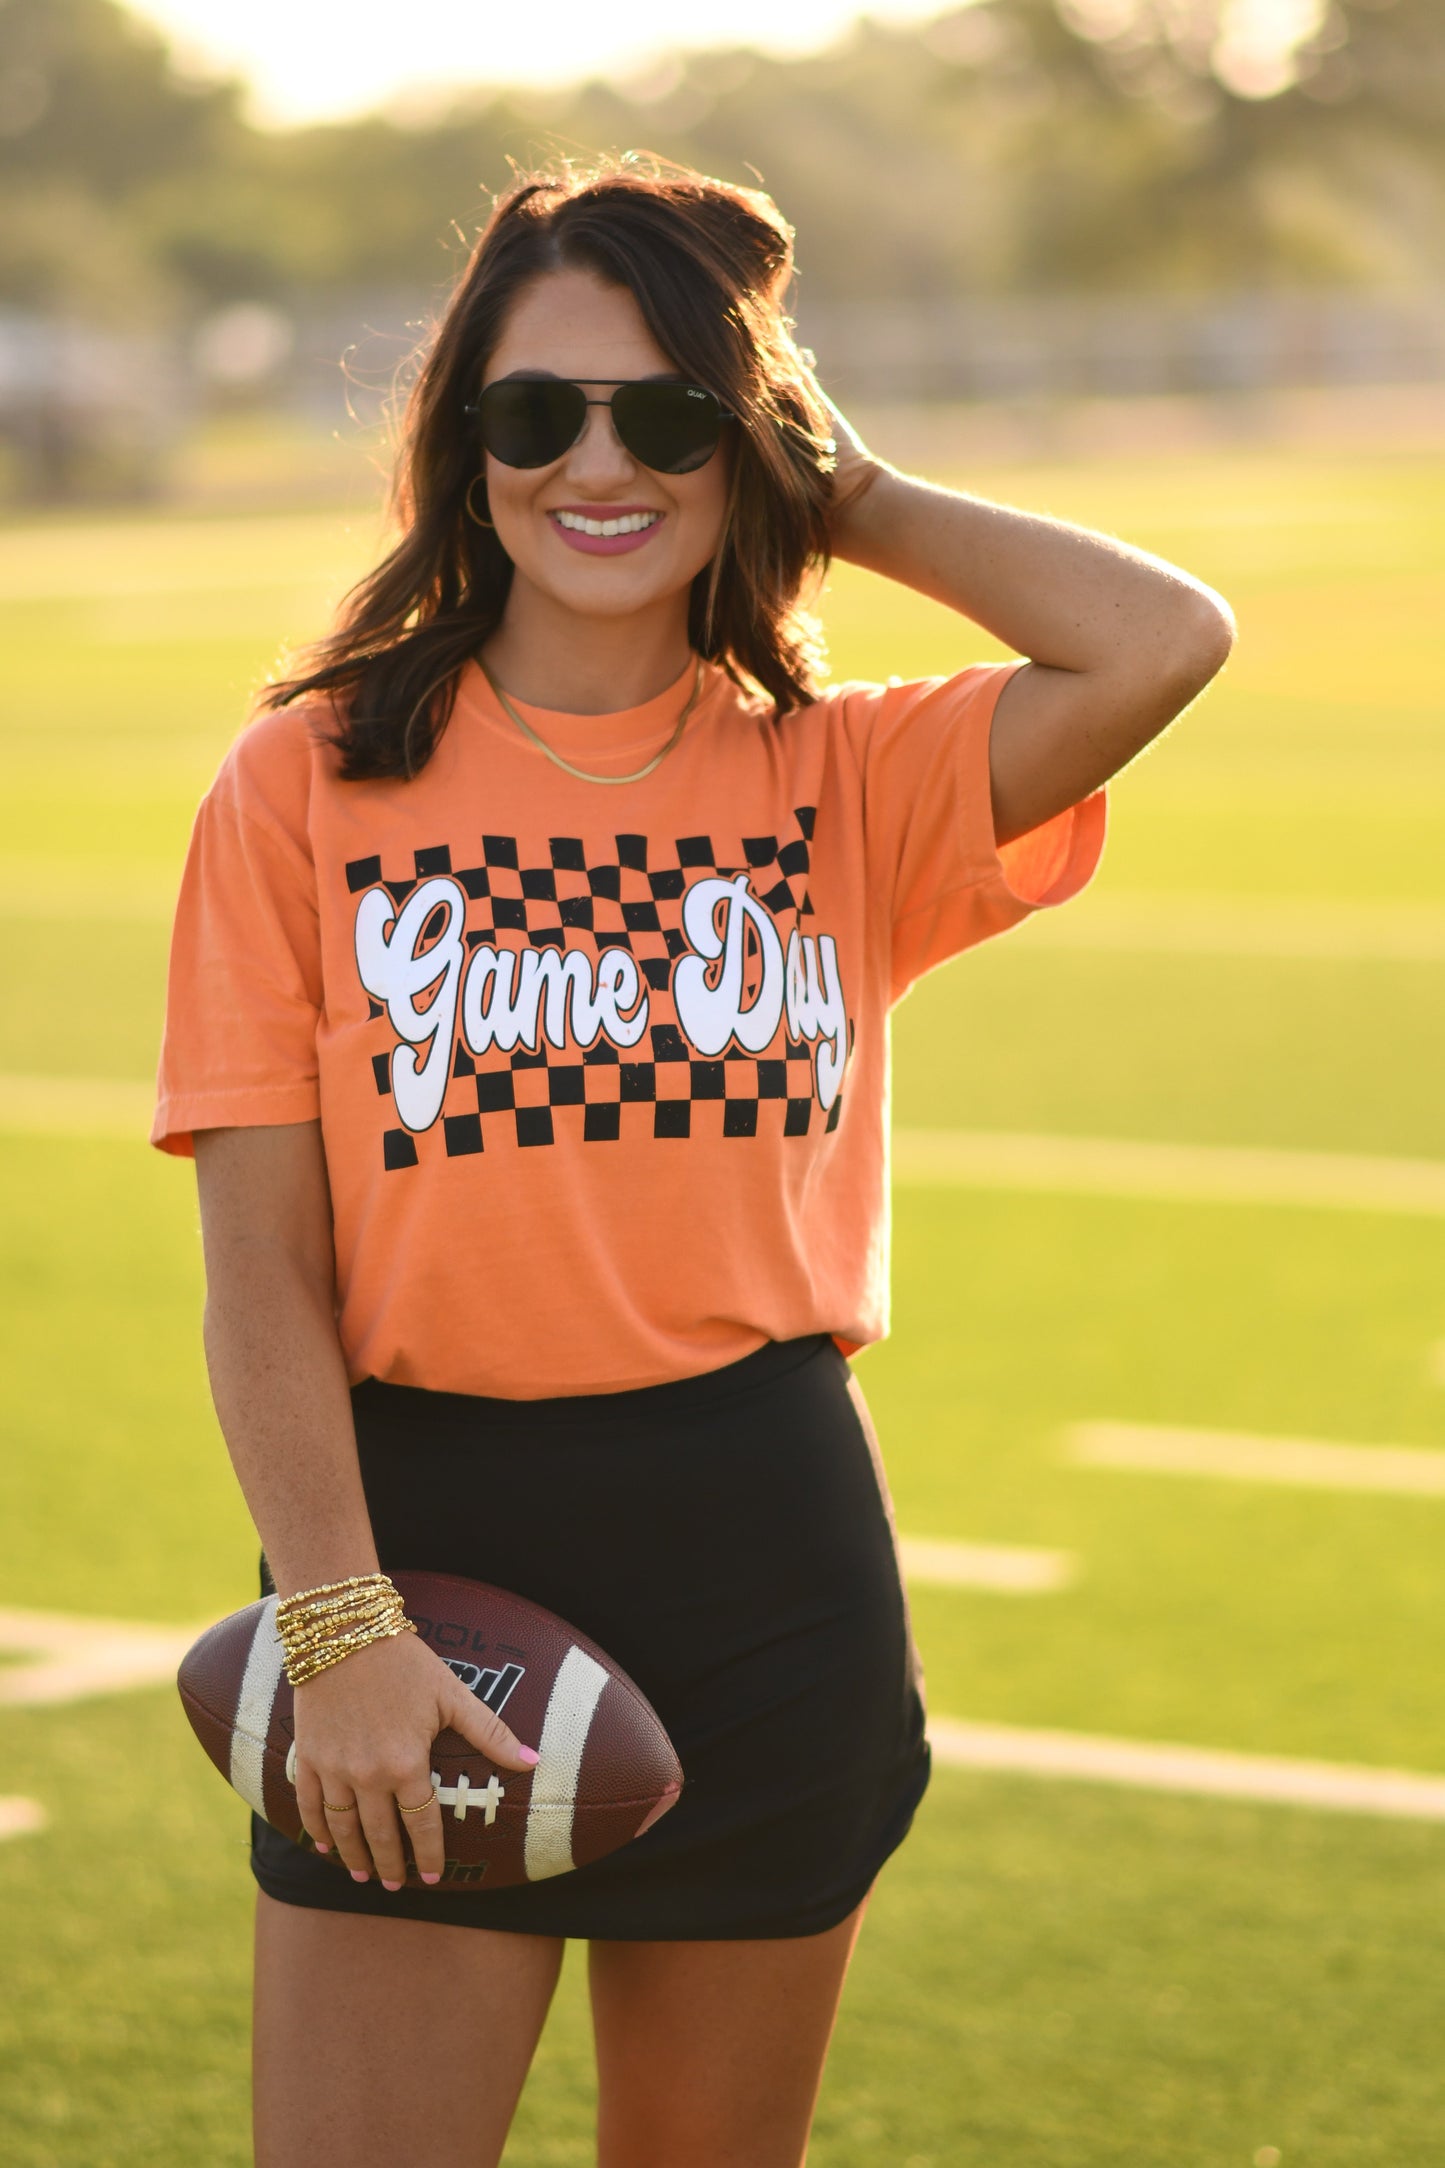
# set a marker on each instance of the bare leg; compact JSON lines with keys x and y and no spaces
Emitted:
{"x":710,"y":2054}
{"x":388,"y":2041}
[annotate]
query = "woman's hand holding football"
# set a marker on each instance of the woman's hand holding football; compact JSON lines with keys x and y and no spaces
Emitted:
{"x":364,"y":1732}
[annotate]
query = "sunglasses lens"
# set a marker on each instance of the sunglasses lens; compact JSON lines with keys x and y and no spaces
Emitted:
{"x":529,"y":423}
{"x":671,"y":428}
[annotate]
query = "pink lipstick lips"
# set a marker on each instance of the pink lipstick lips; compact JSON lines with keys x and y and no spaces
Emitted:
{"x":605,"y":545}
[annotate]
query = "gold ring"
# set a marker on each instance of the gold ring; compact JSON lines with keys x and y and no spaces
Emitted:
{"x":332,"y":1807}
{"x":421,"y":1809}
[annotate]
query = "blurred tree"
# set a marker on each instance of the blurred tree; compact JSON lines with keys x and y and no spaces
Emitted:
{"x":64,"y":252}
{"x":90,"y":94}
{"x":92,"y":111}
{"x":1318,"y":125}
{"x":1005,"y":146}
{"x":1384,"y":61}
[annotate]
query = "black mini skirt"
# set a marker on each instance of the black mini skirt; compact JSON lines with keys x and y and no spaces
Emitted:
{"x":729,"y":1540}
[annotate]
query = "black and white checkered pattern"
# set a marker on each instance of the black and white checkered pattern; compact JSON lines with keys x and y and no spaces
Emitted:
{"x":629,"y":898}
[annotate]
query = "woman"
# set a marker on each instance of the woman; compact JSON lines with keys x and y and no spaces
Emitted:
{"x":527,"y":1021}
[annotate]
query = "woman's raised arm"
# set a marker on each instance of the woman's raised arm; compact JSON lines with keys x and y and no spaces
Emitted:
{"x":364,"y":1725}
{"x":1118,"y":641}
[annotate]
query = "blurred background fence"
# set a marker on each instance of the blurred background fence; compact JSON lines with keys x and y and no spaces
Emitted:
{"x":1092,"y":345}
{"x":77,"y":400}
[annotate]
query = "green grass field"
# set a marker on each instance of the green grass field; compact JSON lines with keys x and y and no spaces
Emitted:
{"x":1054,"y":1974}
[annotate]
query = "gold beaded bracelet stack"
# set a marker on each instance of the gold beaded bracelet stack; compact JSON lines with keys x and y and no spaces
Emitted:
{"x":318,"y":1626}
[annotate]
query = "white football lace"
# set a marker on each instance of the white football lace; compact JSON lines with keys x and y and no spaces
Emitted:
{"x":459,"y":1796}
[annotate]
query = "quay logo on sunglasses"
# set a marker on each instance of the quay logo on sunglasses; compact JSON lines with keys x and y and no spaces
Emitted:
{"x":670,"y":426}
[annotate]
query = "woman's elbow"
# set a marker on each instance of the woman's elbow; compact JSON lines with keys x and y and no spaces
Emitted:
{"x":1205,"y":638}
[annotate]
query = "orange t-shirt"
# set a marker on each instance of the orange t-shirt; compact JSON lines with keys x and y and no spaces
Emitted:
{"x":601,"y":1071}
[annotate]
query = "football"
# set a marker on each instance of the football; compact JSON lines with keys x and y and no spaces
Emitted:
{"x":607,"y":1770}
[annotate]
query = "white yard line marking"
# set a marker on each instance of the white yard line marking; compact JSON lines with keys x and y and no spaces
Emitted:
{"x":1414,"y":1471}
{"x":107,"y":1108}
{"x":118,"y":1108}
{"x":1213,"y":1772}
{"x":73,"y":1659}
{"x":1272,"y":926}
{"x":1004,"y":1568}
{"x":191,"y":556}
{"x":20,"y":1817}
{"x":1177,"y":1173}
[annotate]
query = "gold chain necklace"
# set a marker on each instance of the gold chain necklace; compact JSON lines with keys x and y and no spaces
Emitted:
{"x":582,"y":773}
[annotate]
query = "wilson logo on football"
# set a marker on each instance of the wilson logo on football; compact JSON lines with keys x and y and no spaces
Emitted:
{"x":493,"y":1687}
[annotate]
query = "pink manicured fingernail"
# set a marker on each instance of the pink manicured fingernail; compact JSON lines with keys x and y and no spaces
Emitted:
{"x":529,"y":1755}
{"x":431,"y":1878}
{"x":358,"y":1875}
{"x":323,"y":1848}
{"x":391,"y":1885}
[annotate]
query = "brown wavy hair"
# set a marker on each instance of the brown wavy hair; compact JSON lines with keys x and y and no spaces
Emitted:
{"x":708,"y":263}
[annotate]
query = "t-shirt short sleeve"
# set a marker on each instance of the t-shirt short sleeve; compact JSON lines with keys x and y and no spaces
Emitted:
{"x":923,"y":745}
{"x":244,"y":992}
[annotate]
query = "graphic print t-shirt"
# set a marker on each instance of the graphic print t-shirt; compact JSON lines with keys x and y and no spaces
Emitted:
{"x":601,"y":1071}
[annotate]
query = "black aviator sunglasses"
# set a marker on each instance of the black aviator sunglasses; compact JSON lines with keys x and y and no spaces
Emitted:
{"x":528,"y":421}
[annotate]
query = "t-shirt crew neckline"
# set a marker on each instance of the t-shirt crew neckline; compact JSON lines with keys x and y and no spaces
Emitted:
{"x":615,"y":739}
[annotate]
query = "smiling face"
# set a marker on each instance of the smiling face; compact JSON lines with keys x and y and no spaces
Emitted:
{"x":571,"y":323}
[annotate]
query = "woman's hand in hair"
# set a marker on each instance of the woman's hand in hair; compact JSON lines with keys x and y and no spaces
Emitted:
{"x":854,"y":472}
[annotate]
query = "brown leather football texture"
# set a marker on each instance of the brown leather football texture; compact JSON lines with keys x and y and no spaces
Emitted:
{"x":607,"y":1770}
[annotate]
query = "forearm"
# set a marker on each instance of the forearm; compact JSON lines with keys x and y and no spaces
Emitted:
{"x":279,"y":1383}
{"x":278,"y":1375}
{"x":364,"y":1725}
{"x":1117,"y":642}
{"x":1061,"y":595}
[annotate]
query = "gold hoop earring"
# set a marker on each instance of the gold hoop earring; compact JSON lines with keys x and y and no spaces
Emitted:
{"x":467,"y":501}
